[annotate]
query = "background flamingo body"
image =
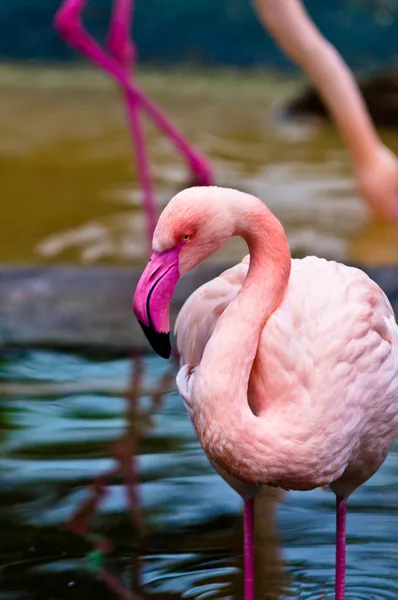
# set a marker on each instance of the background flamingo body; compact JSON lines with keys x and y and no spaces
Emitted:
{"x":375,"y":166}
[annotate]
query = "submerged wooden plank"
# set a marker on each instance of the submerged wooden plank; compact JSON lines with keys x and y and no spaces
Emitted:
{"x":61,"y":306}
{"x":79,"y":306}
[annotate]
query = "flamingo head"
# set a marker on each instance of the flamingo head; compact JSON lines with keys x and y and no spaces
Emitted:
{"x":194,"y":224}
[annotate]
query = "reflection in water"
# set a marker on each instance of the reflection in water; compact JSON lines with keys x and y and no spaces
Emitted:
{"x":125,"y":451}
{"x":169,"y":525}
{"x":74,"y":409}
{"x":79,"y":198}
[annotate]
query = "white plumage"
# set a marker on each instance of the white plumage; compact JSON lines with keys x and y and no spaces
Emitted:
{"x":326,"y":366}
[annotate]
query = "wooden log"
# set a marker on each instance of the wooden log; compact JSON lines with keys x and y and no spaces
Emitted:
{"x":78,"y":306}
{"x":75,"y":307}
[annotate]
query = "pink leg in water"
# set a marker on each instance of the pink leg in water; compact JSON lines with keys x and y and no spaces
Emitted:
{"x":341,"y":513}
{"x":249,"y":549}
{"x":69,"y":26}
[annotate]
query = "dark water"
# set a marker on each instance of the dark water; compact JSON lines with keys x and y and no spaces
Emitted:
{"x":68,"y":420}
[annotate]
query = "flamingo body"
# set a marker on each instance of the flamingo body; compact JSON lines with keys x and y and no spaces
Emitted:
{"x":324,"y":376}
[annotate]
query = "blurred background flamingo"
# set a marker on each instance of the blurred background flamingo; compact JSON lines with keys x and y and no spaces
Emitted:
{"x":119,"y":63}
{"x":375,"y":166}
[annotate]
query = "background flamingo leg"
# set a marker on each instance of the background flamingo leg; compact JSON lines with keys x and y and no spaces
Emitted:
{"x":119,"y":39}
{"x":123,"y":50}
{"x":69,"y":26}
{"x":341,"y":514}
{"x":248,"y":518}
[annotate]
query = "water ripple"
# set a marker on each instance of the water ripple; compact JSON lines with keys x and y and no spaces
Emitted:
{"x":66,"y":421}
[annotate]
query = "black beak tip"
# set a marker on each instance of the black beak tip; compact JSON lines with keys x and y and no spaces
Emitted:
{"x":160,"y":342}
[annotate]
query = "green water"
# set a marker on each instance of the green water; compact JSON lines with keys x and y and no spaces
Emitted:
{"x":69,"y":185}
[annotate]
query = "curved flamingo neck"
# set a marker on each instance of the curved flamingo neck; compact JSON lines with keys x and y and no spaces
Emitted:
{"x":290,"y":25}
{"x":222,"y":378}
{"x":270,"y":263}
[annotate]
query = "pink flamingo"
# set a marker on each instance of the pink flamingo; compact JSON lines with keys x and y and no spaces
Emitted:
{"x":119,"y":64}
{"x":375,"y":166}
{"x":288,"y":366}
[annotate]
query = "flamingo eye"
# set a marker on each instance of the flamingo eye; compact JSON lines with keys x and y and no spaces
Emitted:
{"x":185,"y":238}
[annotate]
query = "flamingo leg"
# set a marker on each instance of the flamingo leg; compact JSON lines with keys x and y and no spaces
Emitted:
{"x":341,"y":514}
{"x":249,"y":549}
{"x":122,"y":49}
{"x":69,"y":26}
{"x":119,"y":42}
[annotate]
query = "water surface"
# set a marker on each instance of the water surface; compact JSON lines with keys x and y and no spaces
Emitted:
{"x":68,"y":172}
{"x":176,"y":528}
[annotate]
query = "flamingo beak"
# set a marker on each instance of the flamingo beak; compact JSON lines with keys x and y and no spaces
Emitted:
{"x":152,"y":299}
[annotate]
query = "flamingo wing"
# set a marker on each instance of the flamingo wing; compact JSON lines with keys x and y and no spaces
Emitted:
{"x":324,"y":377}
